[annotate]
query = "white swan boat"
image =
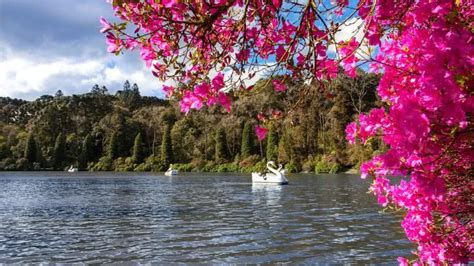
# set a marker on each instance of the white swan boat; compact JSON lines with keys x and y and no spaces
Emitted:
{"x":276,"y":176}
{"x":72,"y":169}
{"x":171,"y":171}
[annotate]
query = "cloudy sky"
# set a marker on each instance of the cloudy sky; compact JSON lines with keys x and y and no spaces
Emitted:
{"x":50,"y":45}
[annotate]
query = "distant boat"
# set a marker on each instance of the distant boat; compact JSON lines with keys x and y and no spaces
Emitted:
{"x":72,"y":169}
{"x":171,"y":171}
{"x":275,"y":177}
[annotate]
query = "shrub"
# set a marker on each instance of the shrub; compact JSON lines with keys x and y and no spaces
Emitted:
{"x":209,"y":167}
{"x":153,"y":164}
{"x":247,"y":164}
{"x":292,"y":167}
{"x":8,"y":164}
{"x":320,"y":167}
{"x":124,"y":164}
{"x":259,"y":167}
{"x":22,"y":164}
{"x":227,"y":167}
{"x":198,"y":164}
{"x":183,"y":167}
{"x":309,"y":165}
{"x":327,"y":164}
{"x":143,"y":167}
{"x":104,"y":164}
{"x":335,"y":167}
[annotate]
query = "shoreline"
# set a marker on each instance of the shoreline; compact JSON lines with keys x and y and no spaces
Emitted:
{"x":351,"y":171}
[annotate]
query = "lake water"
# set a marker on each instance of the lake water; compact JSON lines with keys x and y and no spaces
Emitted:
{"x":195,"y":218}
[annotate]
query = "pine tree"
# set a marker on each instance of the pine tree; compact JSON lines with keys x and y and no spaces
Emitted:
{"x":166,"y":147}
{"x":136,"y":90}
{"x":248,"y":146}
{"x":138,"y":153}
{"x":87,"y":154}
{"x":31,"y":149}
{"x":126,"y":86}
{"x":59,"y":152}
{"x":272,"y":144}
{"x":221,"y":142}
{"x":104,"y":90}
{"x":339,"y":116}
{"x":95,"y":89}
{"x":113,"y":146}
{"x":59,"y":94}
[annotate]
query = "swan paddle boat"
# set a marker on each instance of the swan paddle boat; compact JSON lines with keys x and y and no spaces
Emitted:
{"x":171,"y":171}
{"x":72,"y":169}
{"x":276,"y":176}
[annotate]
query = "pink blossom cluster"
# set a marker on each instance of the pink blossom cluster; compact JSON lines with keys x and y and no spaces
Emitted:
{"x":425,"y":55}
{"x":427,"y":122}
{"x":206,"y":93}
{"x":188,"y":41}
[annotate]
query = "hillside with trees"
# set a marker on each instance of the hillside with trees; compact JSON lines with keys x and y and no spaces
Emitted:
{"x":128,"y":132}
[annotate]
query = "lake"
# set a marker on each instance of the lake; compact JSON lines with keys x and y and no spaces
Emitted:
{"x":193,"y":218}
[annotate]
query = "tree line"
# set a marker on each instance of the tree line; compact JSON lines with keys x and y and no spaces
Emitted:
{"x":99,"y":131}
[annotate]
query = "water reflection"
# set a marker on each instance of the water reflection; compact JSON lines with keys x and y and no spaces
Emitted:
{"x":268,"y":195}
{"x":141,"y":218}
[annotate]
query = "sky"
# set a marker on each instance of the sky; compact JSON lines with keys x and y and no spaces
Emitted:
{"x":51,"y":45}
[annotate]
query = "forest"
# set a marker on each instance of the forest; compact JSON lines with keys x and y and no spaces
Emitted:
{"x":98,"y":131}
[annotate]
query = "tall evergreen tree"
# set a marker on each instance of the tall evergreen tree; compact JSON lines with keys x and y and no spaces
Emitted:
{"x":126,"y":86}
{"x":59,"y":94}
{"x":221,"y":145}
{"x":104,"y":90}
{"x":87,"y":153}
{"x":59,"y":152}
{"x":339,"y":116}
{"x":166,"y":147}
{"x":136,"y":90}
{"x":138,"y":154}
{"x":248,"y":146}
{"x":95,"y":89}
{"x":113,"y":149}
{"x":272,"y":145}
{"x":31,"y":149}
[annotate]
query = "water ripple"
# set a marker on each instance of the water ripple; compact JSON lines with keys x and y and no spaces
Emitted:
{"x":142,"y":218}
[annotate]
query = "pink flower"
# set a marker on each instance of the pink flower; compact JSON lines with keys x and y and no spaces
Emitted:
{"x":261,"y":132}
{"x":106,"y":26}
{"x":331,"y":68}
{"x":300,"y":59}
{"x":277,"y":3}
{"x":281,"y":54}
{"x":218,"y":82}
{"x":351,"y":132}
{"x":350,"y":66}
{"x":190,"y":101}
{"x":224,"y":100}
{"x":131,"y":43}
{"x":276,"y":114}
{"x":169,"y":3}
{"x":279,"y":85}
{"x":168,"y":90}
{"x":148,"y":54}
{"x":202,"y":90}
{"x":113,"y":43}
{"x":243,"y":55}
{"x":374,"y":68}
{"x":402,"y":261}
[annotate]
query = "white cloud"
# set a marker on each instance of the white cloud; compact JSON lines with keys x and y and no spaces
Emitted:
{"x":353,"y":27}
{"x":28,"y":77}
